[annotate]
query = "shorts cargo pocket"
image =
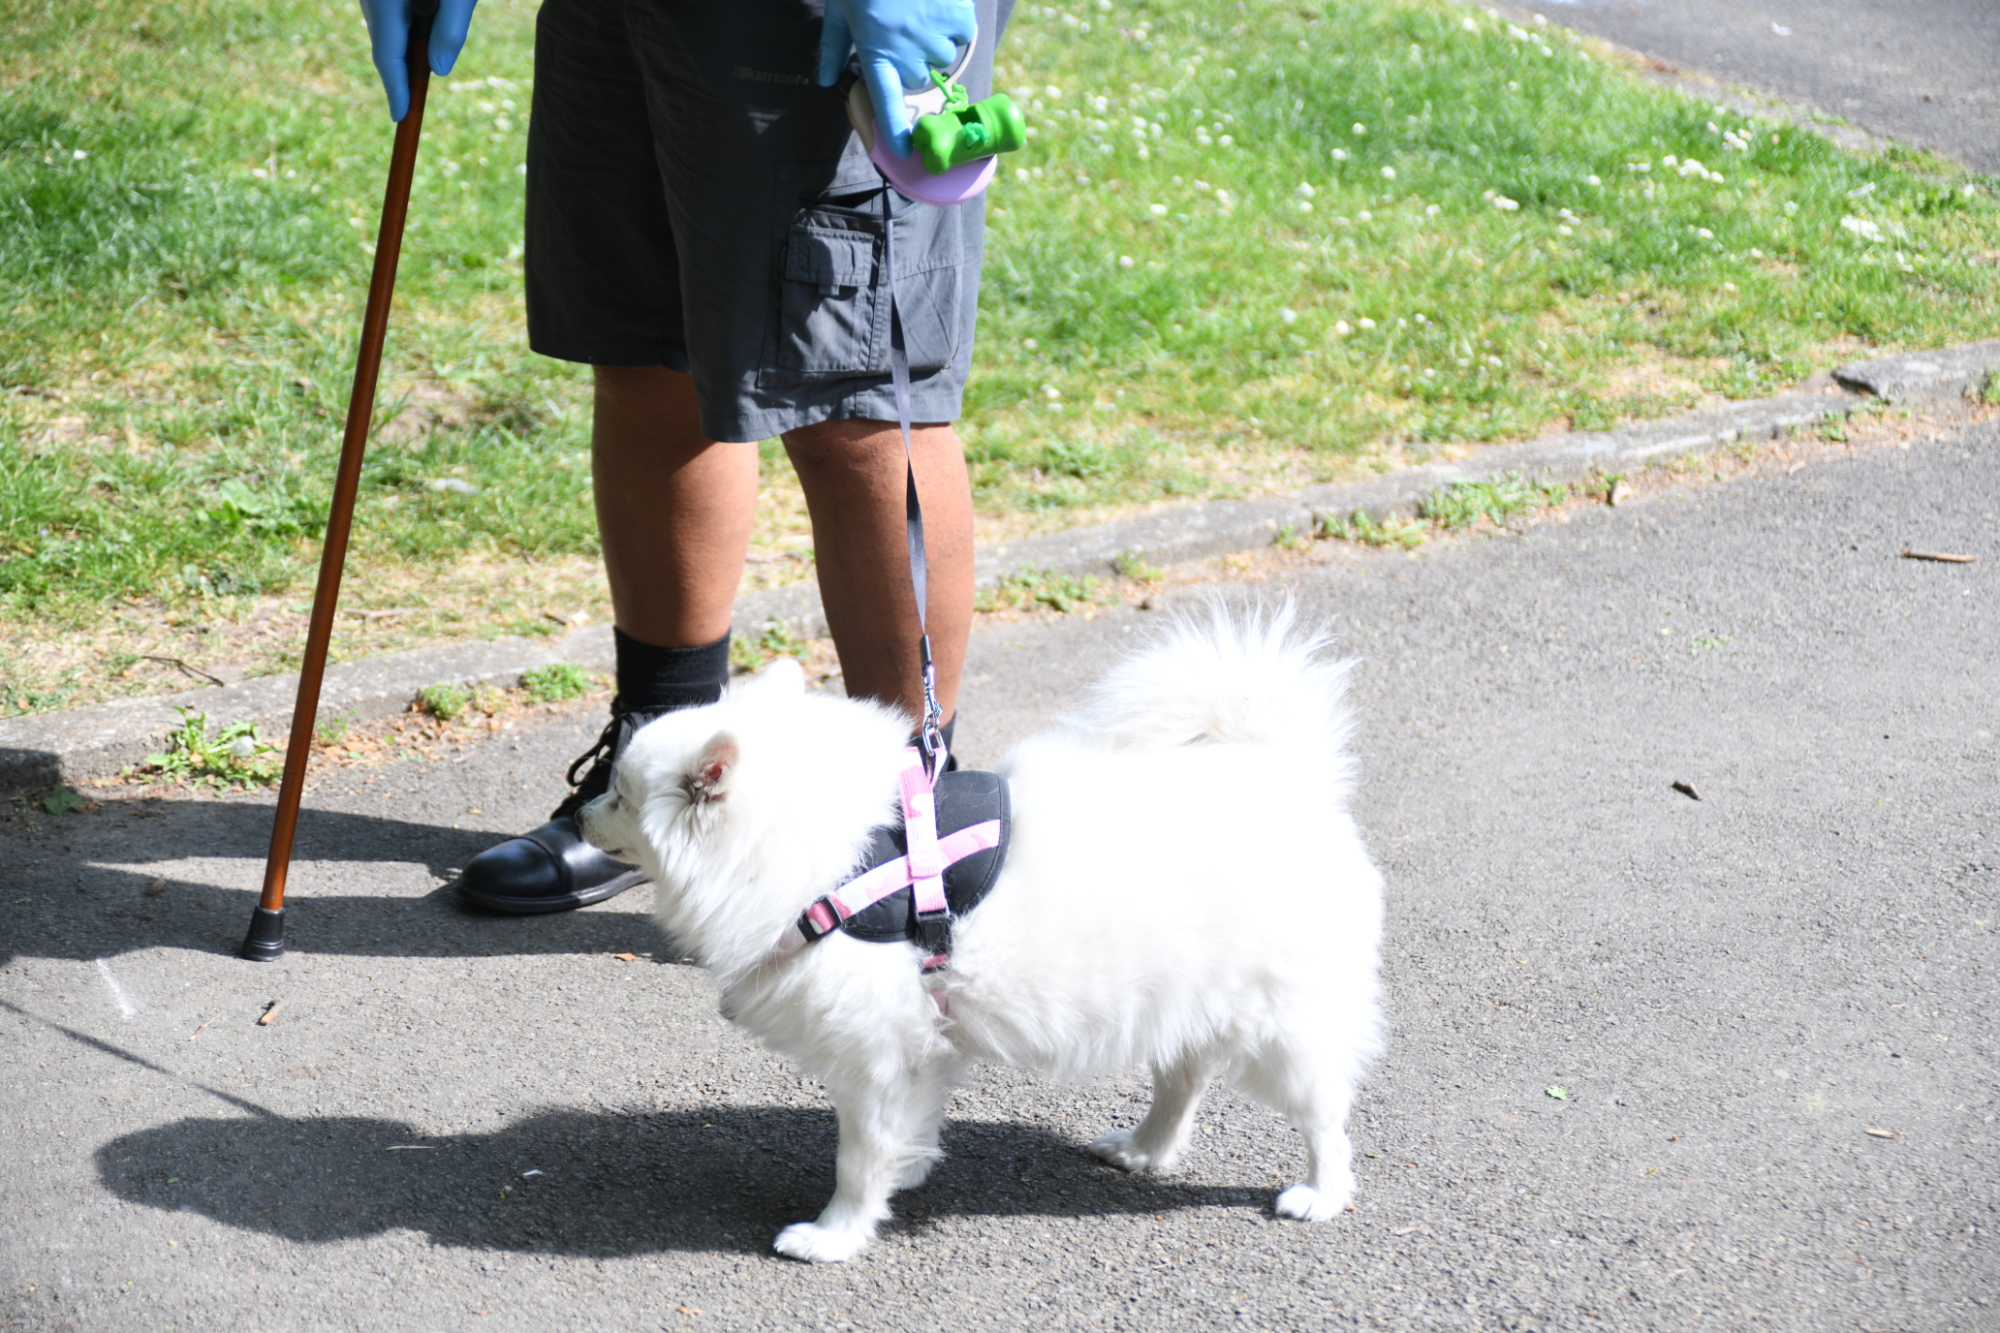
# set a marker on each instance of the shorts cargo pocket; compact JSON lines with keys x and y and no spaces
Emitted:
{"x":832,"y":316}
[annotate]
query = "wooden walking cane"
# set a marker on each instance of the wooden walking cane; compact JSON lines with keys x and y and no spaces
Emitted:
{"x":266,"y":939}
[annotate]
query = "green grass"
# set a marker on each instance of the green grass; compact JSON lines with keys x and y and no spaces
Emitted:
{"x":1354,"y":224}
{"x":234,"y":756}
{"x":1354,"y":230}
{"x":555,"y":682}
{"x":445,"y":700}
{"x":1460,"y":504}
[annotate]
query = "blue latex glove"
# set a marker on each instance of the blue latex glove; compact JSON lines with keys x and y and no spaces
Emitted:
{"x":898,"y":41}
{"x":389,"y":35}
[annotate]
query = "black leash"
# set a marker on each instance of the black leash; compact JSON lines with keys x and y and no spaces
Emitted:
{"x":930,"y":737}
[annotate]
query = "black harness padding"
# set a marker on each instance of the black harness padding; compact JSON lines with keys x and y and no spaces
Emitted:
{"x":964,"y":797}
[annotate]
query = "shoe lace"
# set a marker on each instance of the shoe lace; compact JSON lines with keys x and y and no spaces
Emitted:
{"x":597,"y":777}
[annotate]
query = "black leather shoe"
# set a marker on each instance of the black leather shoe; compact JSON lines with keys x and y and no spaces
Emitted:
{"x":551,"y":868}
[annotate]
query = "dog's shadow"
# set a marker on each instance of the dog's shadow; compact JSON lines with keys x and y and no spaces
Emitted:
{"x":597,"y":1185}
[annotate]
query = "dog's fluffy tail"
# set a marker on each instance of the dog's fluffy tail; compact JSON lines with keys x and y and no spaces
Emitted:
{"x":1226,"y":677}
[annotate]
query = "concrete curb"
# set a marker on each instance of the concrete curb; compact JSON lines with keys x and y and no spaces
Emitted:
{"x":68,"y":747}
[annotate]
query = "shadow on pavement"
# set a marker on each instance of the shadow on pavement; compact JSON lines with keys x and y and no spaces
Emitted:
{"x":718,"y":1178}
{"x":91,"y":886}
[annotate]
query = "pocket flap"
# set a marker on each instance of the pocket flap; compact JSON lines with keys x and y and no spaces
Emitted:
{"x":827,"y":258}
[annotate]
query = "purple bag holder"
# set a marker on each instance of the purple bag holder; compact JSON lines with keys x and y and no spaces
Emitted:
{"x":907,"y":174}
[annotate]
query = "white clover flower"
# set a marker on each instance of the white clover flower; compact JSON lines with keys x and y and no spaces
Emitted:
{"x":1791,"y":208}
{"x":1431,"y":211}
{"x":78,"y":155}
{"x":259,"y":173}
{"x":1030,"y":344}
{"x":1203,"y":186}
{"x":1493,"y":361}
{"x":1052,"y":92}
{"x":1670,"y":159}
{"x":1359,"y":128}
{"x":1592,"y":180}
{"x":1304,"y":190}
{"x":1340,"y":329}
{"x":1303,"y":205}
{"x":1365,"y":322}
{"x":1388,"y":173}
{"x":1563,"y":229}
{"x":1289,"y":316}
{"x":1504,"y":204}
{"x":1021,"y":174}
{"x":1226,"y":141}
{"x":1365,"y":215}
{"x":1124,"y":261}
{"x":1157,"y":210}
{"x":1728,"y":286}
{"x":1051,"y":392}
{"x":1704,"y":233}
{"x":1340,"y":154}
{"x":1470,"y":25}
{"x":1862,"y":227}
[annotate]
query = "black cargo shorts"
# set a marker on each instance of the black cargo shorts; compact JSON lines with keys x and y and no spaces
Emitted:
{"x":696,"y":200}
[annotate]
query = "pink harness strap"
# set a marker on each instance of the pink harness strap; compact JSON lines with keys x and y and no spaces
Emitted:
{"x":921,"y":869}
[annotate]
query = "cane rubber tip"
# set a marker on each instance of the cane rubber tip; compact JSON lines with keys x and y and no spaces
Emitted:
{"x":266,"y":940}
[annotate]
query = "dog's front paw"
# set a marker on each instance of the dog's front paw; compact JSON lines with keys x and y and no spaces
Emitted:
{"x":1122,"y":1150}
{"x":1311,"y":1205}
{"x":819,"y":1245}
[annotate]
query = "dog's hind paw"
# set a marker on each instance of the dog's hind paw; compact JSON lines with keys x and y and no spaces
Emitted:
{"x":1122,"y":1150}
{"x":1311,"y":1205}
{"x":819,"y":1245}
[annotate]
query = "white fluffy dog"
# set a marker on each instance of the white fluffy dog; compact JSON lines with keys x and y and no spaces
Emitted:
{"x":1184,"y":889}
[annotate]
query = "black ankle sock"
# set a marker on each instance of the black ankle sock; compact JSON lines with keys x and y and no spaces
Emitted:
{"x":652,"y":679}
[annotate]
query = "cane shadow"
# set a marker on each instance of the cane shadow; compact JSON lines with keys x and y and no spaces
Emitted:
{"x":594,"y":1185}
{"x":90,"y":886}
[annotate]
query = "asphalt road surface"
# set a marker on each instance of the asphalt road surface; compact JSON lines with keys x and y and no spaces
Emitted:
{"x":1653,"y":1062}
{"x":1917,"y":70}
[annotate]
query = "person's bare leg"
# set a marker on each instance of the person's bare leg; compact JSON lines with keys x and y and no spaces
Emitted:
{"x":852,"y":474}
{"x":675,"y":509}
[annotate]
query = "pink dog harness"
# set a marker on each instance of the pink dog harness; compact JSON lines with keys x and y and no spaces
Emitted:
{"x":917,"y":877}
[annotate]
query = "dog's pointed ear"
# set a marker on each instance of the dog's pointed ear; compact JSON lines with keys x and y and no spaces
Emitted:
{"x":708,"y":779}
